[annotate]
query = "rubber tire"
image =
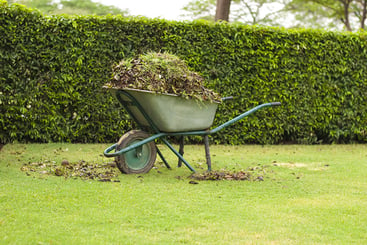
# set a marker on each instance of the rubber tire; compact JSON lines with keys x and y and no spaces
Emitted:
{"x":129,"y":163}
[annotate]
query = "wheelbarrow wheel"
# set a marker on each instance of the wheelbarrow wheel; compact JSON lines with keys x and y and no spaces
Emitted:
{"x":138,"y":160}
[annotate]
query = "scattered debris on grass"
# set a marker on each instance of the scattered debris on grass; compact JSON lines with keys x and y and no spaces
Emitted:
{"x":105,"y":172}
{"x":160,"y":73}
{"x":193,"y":182}
{"x":108,"y":172}
{"x":252,"y":174}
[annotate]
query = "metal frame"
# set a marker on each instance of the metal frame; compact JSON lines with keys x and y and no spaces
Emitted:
{"x":162,"y":135}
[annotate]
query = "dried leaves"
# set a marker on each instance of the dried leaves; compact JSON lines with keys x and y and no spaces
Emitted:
{"x":160,"y":73}
{"x":105,"y":172}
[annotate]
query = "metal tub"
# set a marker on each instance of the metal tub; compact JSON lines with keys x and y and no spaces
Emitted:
{"x":169,"y":112}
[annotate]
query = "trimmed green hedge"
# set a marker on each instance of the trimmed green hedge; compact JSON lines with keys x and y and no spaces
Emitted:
{"x":52,"y":70}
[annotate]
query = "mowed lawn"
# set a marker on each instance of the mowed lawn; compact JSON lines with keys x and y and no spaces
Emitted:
{"x":306,"y":195}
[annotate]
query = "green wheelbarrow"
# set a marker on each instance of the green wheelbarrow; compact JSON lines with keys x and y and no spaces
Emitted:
{"x":159,"y":116}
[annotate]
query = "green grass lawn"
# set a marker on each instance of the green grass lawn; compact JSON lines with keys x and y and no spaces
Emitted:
{"x":310,"y":195}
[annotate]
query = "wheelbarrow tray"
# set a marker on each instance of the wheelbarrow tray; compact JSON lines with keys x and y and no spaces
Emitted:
{"x":168,"y":112}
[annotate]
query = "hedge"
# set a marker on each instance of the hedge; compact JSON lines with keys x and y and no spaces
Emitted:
{"x":53,"y":68}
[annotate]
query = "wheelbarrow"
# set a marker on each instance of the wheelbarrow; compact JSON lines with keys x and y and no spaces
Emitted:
{"x":159,"y":116}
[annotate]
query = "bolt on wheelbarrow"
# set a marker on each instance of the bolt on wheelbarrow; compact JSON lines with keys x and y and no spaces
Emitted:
{"x":159,"y":116}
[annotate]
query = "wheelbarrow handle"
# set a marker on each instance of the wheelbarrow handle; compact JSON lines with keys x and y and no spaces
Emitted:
{"x":232,"y":97}
{"x":275,"y":103}
{"x":230,"y":122}
{"x":227,"y":98}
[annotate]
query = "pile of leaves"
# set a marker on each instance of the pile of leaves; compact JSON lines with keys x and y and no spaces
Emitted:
{"x":161,"y":73}
{"x":105,"y":172}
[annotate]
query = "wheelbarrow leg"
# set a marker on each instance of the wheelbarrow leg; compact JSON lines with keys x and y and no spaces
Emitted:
{"x":181,"y":151}
{"x":163,"y":159}
{"x":207,"y":152}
